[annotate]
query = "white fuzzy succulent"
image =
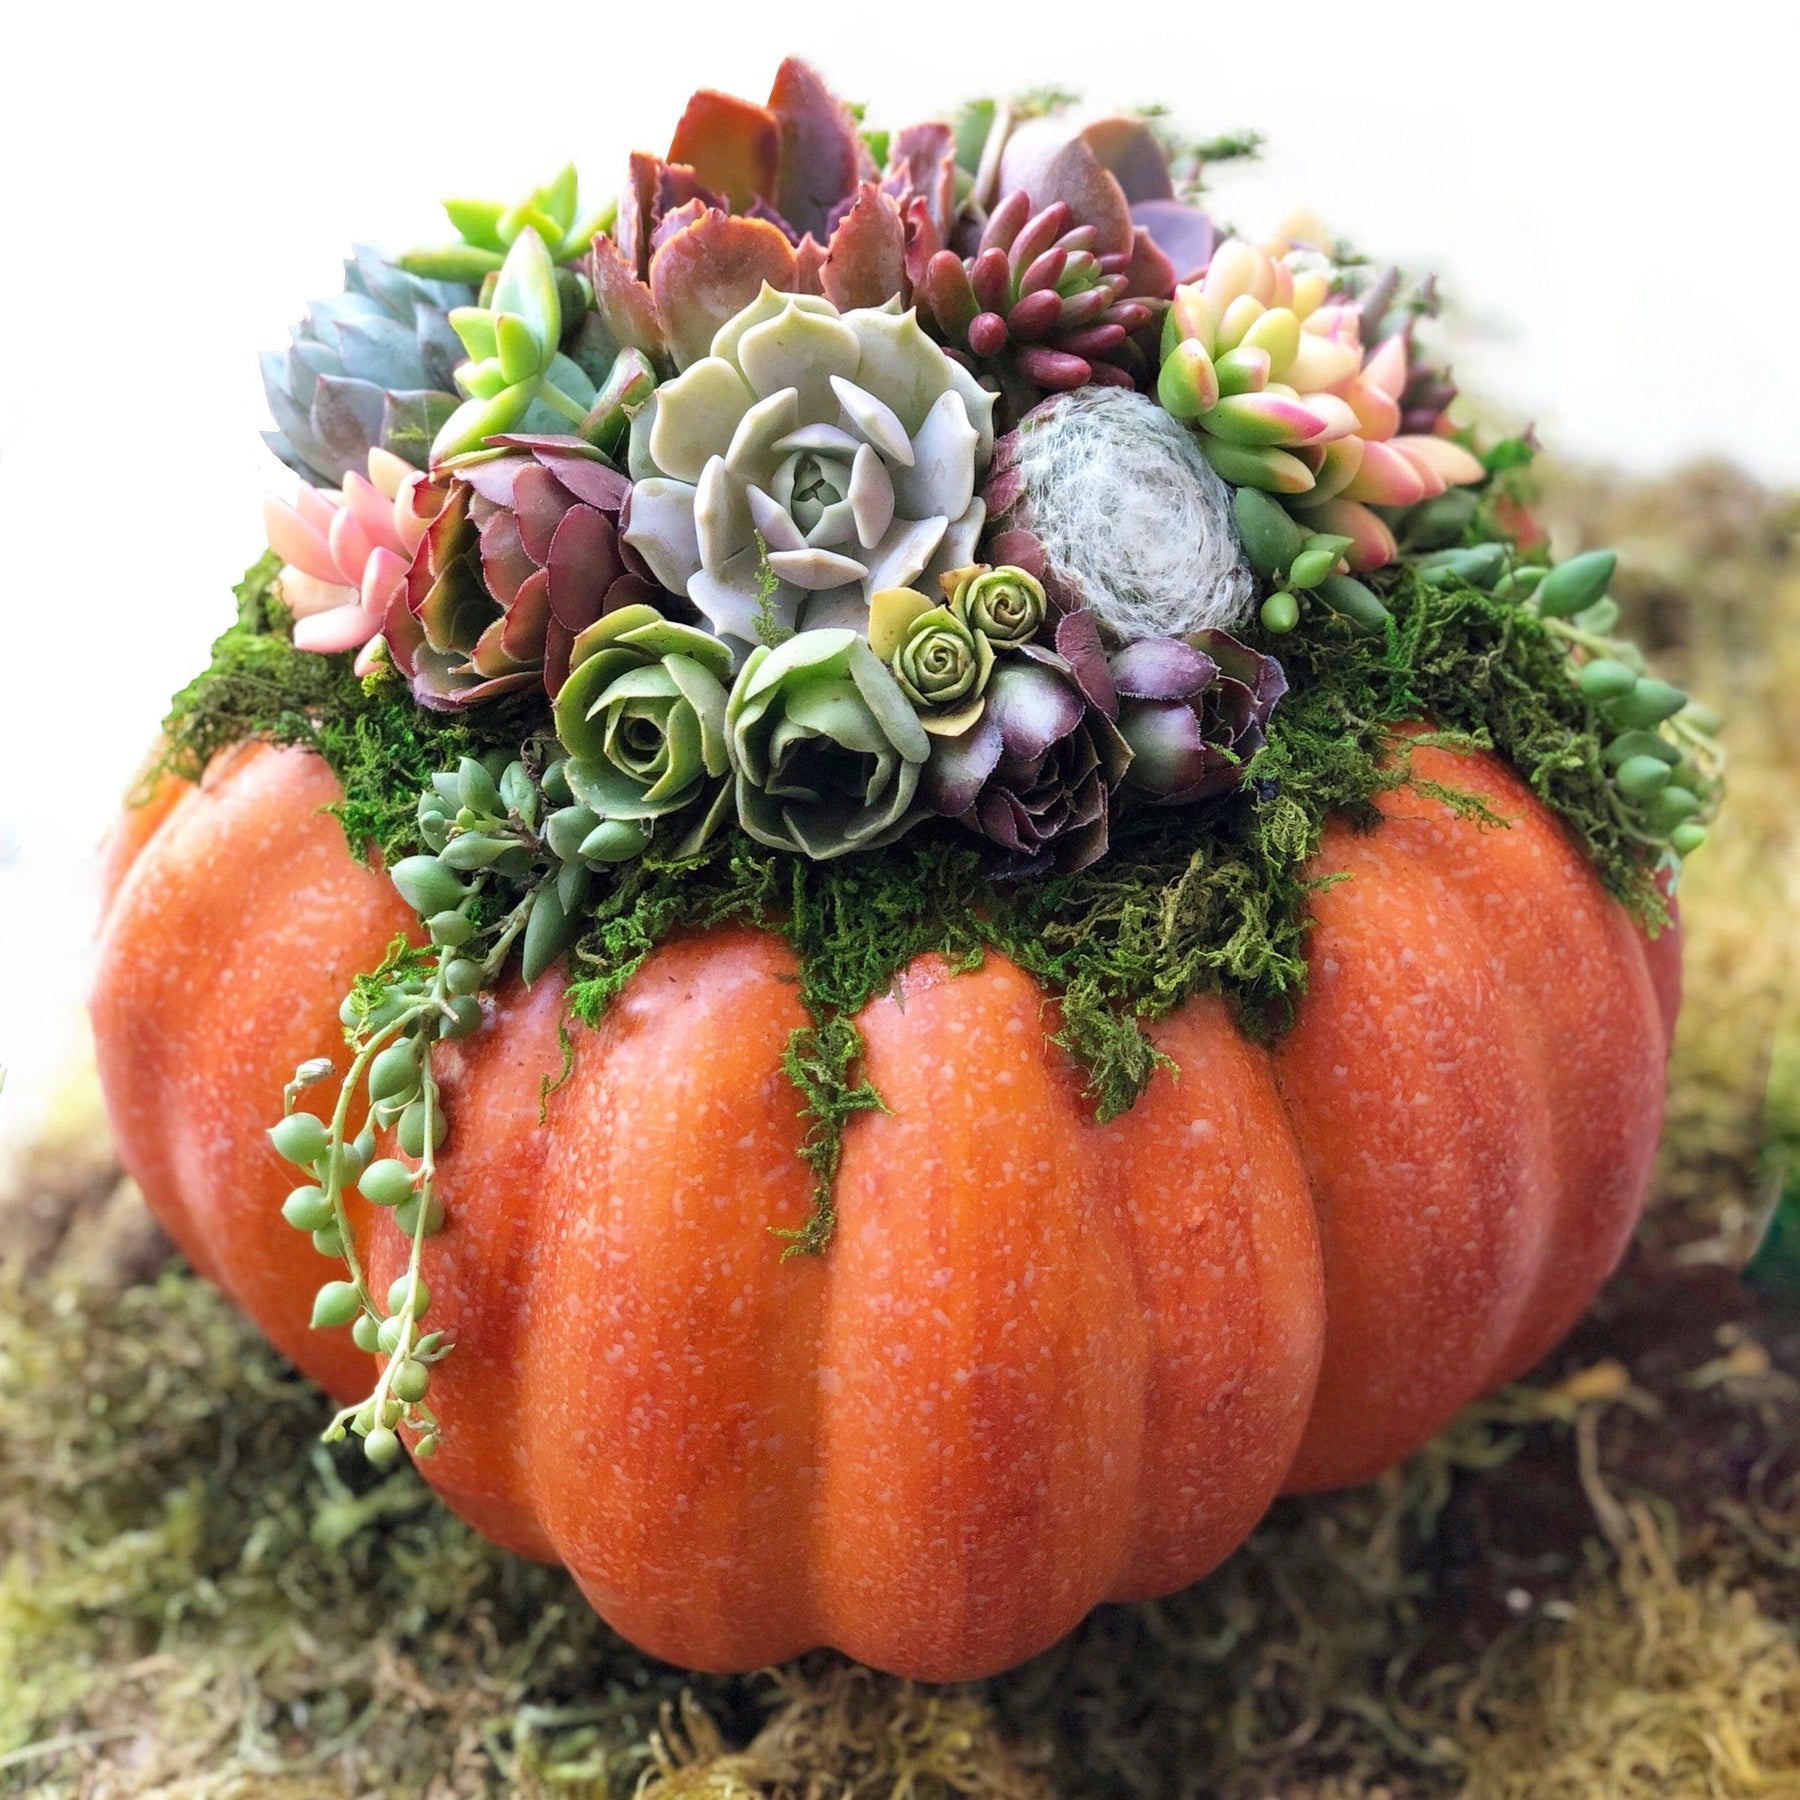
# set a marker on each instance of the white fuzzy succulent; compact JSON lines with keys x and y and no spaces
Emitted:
{"x":850,"y":444}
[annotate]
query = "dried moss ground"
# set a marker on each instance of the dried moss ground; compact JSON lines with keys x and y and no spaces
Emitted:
{"x":1588,"y":1585}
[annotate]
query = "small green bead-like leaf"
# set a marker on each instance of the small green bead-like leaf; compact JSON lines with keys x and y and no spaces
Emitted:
{"x":336,"y":1303}
{"x":382,"y":1447}
{"x":307,"y":1209}
{"x":1605,"y":678}
{"x":463,"y":1018}
{"x":388,"y":1182}
{"x":412,"y":1383}
{"x":474,"y":850}
{"x":394,"y":1072}
{"x":1347,"y":597}
{"x":1311,"y":567}
{"x":1648,"y":703}
{"x":478,"y":790}
{"x":463,"y":976}
{"x":299,"y":1138}
{"x":450,"y":928}
{"x":410,"y":1132}
{"x":406,"y":1291}
{"x":1642,"y":776}
{"x":1280,"y":612}
{"x":1577,"y":584}
{"x":363,"y":1333}
{"x":548,"y":933}
{"x":406,"y":1217}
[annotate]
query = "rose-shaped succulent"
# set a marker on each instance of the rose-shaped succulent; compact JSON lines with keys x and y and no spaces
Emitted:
{"x":642,"y":716}
{"x":1036,"y":771}
{"x":1194,"y":712}
{"x":941,"y":664}
{"x":810,"y":461}
{"x":825,"y":748}
{"x":521,"y":553}
{"x":1006,"y":604}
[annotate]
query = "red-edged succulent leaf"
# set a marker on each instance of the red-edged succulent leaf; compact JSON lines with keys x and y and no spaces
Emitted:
{"x":732,"y":145}
{"x":506,"y":565}
{"x":821,"y":158}
{"x":865,"y":265}
{"x":1151,"y":271}
{"x":809,"y":266}
{"x":1161,"y":669}
{"x":1078,"y":644}
{"x":623,"y":301}
{"x":923,"y":240}
{"x":678,"y":218}
{"x":922,"y":165}
{"x":582,"y":565}
{"x":713,"y":269}
{"x":638,"y":207}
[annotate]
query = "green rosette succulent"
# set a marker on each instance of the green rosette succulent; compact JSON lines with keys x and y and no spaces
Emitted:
{"x":1006,"y":604}
{"x":516,"y":378}
{"x":642,"y":716}
{"x":487,"y":229}
{"x":825,"y":747}
{"x":941,"y":663}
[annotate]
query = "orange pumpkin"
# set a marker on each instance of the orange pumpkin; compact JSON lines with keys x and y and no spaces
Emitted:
{"x":1045,"y":1362}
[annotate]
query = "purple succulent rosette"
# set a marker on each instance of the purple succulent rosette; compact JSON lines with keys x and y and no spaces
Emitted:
{"x":522,"y":554}
{"x":1035,"y":774}
{"x":1194,"y":712}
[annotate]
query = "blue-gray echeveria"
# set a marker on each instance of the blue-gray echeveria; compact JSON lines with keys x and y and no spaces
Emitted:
{"x":846,"y":449}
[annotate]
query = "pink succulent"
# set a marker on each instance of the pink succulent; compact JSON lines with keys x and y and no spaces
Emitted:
{"x":1266,"y":358}
{"x":345,"y":554}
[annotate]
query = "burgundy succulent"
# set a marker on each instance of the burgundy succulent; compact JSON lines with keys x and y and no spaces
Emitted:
{"x":1035,"y":774}
{"x":1194,"y":712}
{"x":521,"y":553}
{"x":1037,"y":308}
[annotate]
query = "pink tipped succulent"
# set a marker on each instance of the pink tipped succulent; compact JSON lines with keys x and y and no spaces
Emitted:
{"x":1266,"y":359}
{"x":345,"y":554}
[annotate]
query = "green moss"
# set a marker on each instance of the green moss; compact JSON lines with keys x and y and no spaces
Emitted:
{"x":1189,"y":901}
{"x":383,"y":748}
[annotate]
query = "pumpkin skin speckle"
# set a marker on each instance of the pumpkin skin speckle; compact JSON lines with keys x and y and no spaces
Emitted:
{"x":1045,"y":1362}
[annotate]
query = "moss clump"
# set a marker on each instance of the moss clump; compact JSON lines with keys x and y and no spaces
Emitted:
{"x":1188,"y":901}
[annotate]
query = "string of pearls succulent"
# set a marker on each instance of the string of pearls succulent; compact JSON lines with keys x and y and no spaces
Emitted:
{"x":1660,"y":745}
{"x":501,"y":873}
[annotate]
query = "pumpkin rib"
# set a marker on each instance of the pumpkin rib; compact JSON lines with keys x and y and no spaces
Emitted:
{"x":191,"y":1013}
{"x":668,"y":1327}
{"x":1427,"y":1201}
{"x":981,"y":1348}
{"x":1234,"y":1285}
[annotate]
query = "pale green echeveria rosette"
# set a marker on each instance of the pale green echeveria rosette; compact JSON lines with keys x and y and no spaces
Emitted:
{"x":642,"y":716}
{"x":838,"y":454}
{"x":825,"y":747}
{"x":940,"y":661}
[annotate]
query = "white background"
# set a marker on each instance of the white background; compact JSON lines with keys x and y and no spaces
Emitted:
{"x":1609,"y":193}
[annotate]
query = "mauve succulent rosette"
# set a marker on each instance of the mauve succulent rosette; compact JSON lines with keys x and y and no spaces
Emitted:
{"x":716,"y":477}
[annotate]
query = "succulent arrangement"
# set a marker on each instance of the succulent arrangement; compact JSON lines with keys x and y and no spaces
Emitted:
{"x":832,"y":485}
